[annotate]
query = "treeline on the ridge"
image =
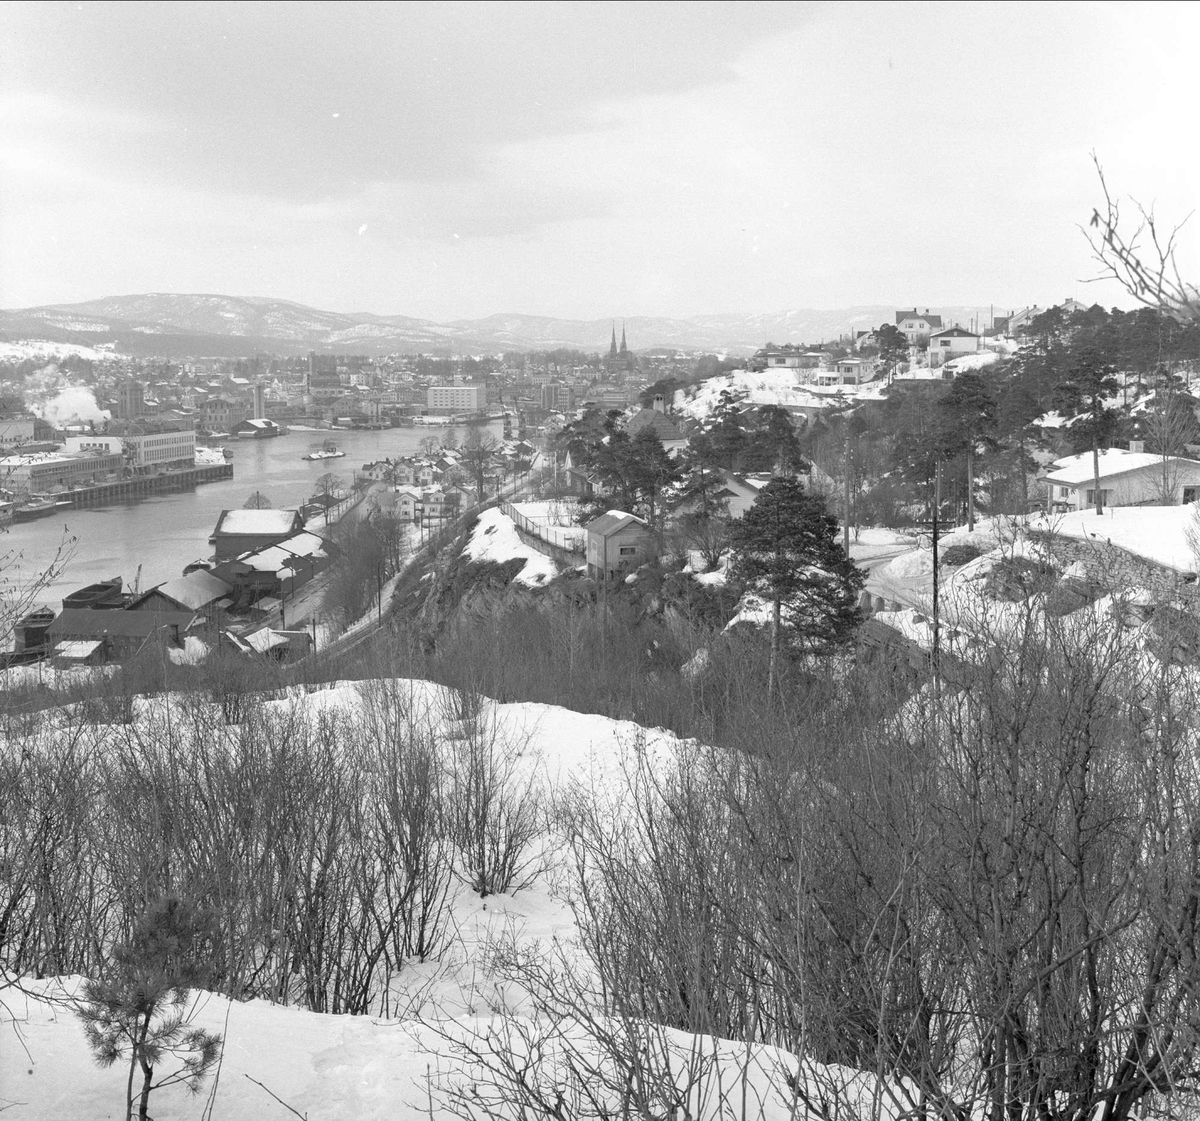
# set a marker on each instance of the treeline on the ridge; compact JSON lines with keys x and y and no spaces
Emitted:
{"x":979,"y":429}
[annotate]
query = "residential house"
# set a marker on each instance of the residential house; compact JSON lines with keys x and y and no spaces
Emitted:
{"x":917,"y":326}
{"x":616,"y":543}
{"x":740,"y":492}
{"x":846,"y":371}
{"x":408,"y":503}
{"x":663,"y":426}
{"x":1015,"y":321}
{"x":1127,"y":478}
{"x":951,"y":343}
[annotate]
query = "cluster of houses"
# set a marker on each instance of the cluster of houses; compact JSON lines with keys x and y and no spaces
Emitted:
{"x":933,"y":344}
{"x":430,"y":488}
{"x":261,"y":559}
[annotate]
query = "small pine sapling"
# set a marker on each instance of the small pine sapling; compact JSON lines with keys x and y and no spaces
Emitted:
{"x":140,"y":1009}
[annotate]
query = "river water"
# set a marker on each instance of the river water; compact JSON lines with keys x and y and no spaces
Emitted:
{"x":162,"y":533}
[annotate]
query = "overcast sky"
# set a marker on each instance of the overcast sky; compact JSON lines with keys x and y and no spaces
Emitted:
{"x":581,"y":160}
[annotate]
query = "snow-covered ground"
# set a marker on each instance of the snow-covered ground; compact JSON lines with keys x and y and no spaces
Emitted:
{"x":495,"y":539}
{"x":344,"y":1067}
{"x":43,"y":349}
{"x":1159,"y":533}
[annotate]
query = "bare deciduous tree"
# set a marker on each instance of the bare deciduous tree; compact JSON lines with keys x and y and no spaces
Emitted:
{"x":1140,"y":255}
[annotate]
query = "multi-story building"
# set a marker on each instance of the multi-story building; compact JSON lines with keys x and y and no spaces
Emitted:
{"x":37,"y":474}
{"x":558,"y":397}
{"x":131,"y":399}
{"x":456,"y":398}
{"x":221,"y":414}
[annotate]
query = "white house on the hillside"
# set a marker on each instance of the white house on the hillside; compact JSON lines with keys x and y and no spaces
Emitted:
{"x":951,"y":343}
{"x":1127,"y":478}
{"x":917,"y":326}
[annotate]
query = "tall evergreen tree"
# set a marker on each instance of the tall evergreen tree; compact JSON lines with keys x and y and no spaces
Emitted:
{"x":968,"y":425}
{"x":1084,"y":394}
{"x":786,"y":552}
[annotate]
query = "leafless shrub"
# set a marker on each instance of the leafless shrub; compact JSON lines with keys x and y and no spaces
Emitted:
{"x":1141,"y":256}
{"x":567,"y":1053}
{"x":494,"y":810}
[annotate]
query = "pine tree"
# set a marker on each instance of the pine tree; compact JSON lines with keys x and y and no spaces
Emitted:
{"x":140,"y":1008}
{"x":968,"y":424}
{"x":1090,"y":381}
{"x":785,"y":551}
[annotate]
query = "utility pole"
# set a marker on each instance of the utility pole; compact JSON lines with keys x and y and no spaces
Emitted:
{"x":846,"y":494}
{"x":937,"y":502}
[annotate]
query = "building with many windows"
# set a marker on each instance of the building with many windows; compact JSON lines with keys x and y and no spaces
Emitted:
{"x":51,"y":472}
{"x":558,"y":397}
{"x":456,"y":398}
{"x":131,"y":399}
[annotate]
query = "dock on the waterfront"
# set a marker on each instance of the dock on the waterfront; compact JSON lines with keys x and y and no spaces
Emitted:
{"x":122,"y":490}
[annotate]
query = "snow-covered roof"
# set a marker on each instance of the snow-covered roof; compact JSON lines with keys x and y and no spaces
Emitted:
{"x":195,"y":590}
{"x":1075,"y":470}
{"x":256,"y":522}
{"x":264,"y":640}
{"x":77,"y":649}
{"x":281,"y":556}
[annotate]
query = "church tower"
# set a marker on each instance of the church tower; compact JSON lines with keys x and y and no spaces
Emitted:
{"x":624,"y":348}
{"x":612,"y":350}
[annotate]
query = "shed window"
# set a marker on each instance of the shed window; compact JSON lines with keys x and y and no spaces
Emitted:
{"x":628,"y":551}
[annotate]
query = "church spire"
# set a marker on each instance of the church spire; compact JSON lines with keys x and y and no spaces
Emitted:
{"x":624,"y":348}
{"x":612,"y":350}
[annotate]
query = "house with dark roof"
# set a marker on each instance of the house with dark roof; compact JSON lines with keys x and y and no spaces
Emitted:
{"x":663,"y":426}
{"x":616,"y":543}
{"x":951,"y":343}
{"x":93,"y":635}
{"x":917,"y":326}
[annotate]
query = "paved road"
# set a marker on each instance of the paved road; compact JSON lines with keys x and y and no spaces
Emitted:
{"x":911,"y":591}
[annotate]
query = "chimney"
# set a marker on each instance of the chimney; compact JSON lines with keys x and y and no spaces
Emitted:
{"x":660,"y":404}
{"x":1137,"y":445}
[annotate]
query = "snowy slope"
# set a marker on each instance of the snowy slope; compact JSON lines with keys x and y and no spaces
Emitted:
{"x":335,"y":1067}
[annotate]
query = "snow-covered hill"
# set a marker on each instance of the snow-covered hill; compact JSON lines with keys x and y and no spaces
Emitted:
{"x":263,"y":322}
{"x":406,"y":1060}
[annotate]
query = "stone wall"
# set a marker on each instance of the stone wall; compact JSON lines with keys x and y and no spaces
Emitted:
{"x":1113,"y":568}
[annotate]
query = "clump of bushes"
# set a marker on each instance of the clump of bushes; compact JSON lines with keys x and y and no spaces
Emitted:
{"x":957,"y":555}
{"x":1017,"y":578}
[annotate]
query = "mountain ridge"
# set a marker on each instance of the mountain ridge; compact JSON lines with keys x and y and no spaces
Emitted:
{"x":181,"y":322}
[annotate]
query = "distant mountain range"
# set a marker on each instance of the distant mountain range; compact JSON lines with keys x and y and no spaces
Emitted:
{"x":228,"y":326}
